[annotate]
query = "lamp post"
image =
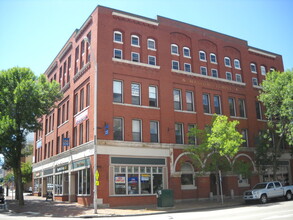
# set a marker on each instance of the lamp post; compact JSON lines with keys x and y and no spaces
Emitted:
{"x":95,"y":122}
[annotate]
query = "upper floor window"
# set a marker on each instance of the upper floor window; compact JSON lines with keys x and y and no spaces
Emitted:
{"x":152,"y":60}
{"x":254,"y":81}
{"x":258,"y":110}
{"x":213,"y":58}
{"x":153,"y":96}
{"x":151,"y":44}
{"x":189,"y":101}
{"x":177,"y":99}
{"x":263,"y":70}
{"x":118,"y":129}
{"x":154,"y":131}
{"x":217,"y":104}
{"x":244,"y":137}
{"x":272,"y":69}
{"x":253,"y":68}
{"x":117,"y":54}
{"x":134,"y":40}
{"x":206,"y":103}
{"x":76,"y":53}
{"x":203,"y":70}
{"x":227,"y":61}
{"x":242,"y":112}
{"x":136,"y":130}
{"x":174,"y":49}
{"x":135,"y":93}
{"x":179,"y":133}
{"x":215,"y":73}
{"x":175,"y":65}
{"x":238,"y":77}
{"x":187,"y":67}
{"x":186,"y":52}
{"x":202,"y":56}
{"x":117,"y":91}
{"x":135,"y":57}
{"x":237,"y":64}
{"x":228,"y":76}
{"x":118,"y":37}
{"x":232,"y":106}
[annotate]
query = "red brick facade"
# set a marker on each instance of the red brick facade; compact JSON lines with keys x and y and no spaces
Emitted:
{"x":139,"y":59}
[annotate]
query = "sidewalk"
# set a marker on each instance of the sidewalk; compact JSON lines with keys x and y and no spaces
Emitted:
{"x":38,"y":206}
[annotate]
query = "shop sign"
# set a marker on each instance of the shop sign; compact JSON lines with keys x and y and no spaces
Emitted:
{"x":132,"y":180}
{"x":145,"y":177}
{"x":61,"y":168}
{"x":39,"y":144}
{"x":38,"y":174}
{"x":119,"y":179}
{"x":81,"y":117}
{"x":81,"y":163}
{"x":48,"y":171}
{"x":65,"y":142}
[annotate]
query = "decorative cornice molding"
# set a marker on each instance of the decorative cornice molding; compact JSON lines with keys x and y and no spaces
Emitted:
{"x":68,"y":47}
{"x":82,"y":71}
{"x":135,"y":18}
{"x":81,"y":31}
{"x":51,"y":68}
{"x":262,"y":53}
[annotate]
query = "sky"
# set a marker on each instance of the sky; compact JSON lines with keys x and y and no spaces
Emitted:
{"x":32,"y":32}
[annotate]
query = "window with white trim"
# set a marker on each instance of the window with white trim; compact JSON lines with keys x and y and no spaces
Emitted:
{"x":118,"y":37}
{"x":217,"y":104}
{"x":263,"y":70}
{"x":175,"y":65}
{"x":179,"y":133}
{"x":187,"y":176}
{"x":117,"y":91}
{"x":232,"y":108}
{"x":174,"y":49}
{"x":186,"y":52}
{"x":153,"y":96}
{"x":177,"y":99}
{"x":254,"y":81}
{"x":135,"y":93}
{"x":244,"y":137}
{"x":242,"y":112}
{"x":136,"y":130}
{"x":135,"y":57}
{"x":202,"y":56}
{"x":189,"y":101}
{"x":118,"y":129}
{"x":154,"y":131}
{"x":206,"y":103}
{"x":213,"y":58}
{"x":258,"y":110}
{"x":228,"y":76}
{"x":203,"y":70}
{"x":187,"y":67}
{"x":237,"y":64}
{"x":238,"y":77}
{"x":253,"y":68}
{"x":134,"y":40}
{"x":227,"y":61}
{"x":117,"y":54}
{"x":151,"y":44}
{"x":152,"y":60}
{"x":214,"y":73}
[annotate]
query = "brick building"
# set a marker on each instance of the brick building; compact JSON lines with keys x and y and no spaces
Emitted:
{"x":156,"y":80}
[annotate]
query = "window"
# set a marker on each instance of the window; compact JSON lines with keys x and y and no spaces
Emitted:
{"x":179,"y":133}
{"x":84,"y":182}
{"x":134,"y":40}
{"x":131,"y":180}
{"x":152,"y":60}
{"x":228,"y":76}
{"x":87,"y":131}
{"x":88,"y":95}
{"x":214,"y":73}
{"x":258,"y":110}
{"x":117,"y":54}
{"x":177,"y":99}
{"x":117,"y":91}
{"x":154,"y":131}
{"x":175,"y":65}
{"x":174,"y":49}
{"x":202,"y":56}
{"x":135,"y":57}
{"x":217,"y":104}
{"x":118,"y":129}
{"x":191,"y":139}
{"x":263,"y":70}
{"x":75,"y":105}
{"x":213,"y":58}
{"x":82,"y":47}
{"x":206,"y":103}
{"x":189,"y":101}
{"x":186,"y":52}
{"x":253,"y":68}
{"x":151,"y":44}
{"x":238,"y":78}
{"x":74,"y":137}
{"x":117,"y":37}
{"x":76,"y":53}
{"x":187,"y":67}
{"x":81,"y":103}
{"x":244,"y":137}
{"x":187,"y":178}
{"x":203,"y":70}
{"x":135,"y":93}
{"x":272,"y":69}
{"x":136,"y":130}
{"x":58,"y":184}
{"x":81,"y":133}
{"x":232,"y":106}
{"x":242,"y":112}
{"x":254,"y":81}
{"x":227,"y":61}
{"x":153,"y":97}
{"x":237,"y":64}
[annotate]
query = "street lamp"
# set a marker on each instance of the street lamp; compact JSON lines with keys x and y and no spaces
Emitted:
{"x":95,"y":122}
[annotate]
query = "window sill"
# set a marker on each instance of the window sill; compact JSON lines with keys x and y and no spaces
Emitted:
{"x":135,"y":63}
{"x":188,"y":187}
{"x":185,"y":111}
{"x":138,"y":106}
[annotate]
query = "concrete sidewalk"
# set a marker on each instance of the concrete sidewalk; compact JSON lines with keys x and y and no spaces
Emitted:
{"x":38,"y":206}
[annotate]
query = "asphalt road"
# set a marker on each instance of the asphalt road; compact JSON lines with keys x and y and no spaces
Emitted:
{"x":280,"y":210}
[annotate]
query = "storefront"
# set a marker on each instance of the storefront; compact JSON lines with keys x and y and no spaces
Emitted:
{"x":37,"y":190}
{"x":61,"y":182}
{"x":48,"y":181}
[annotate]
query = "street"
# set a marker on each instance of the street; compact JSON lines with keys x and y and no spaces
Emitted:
{"x":272,"y":211}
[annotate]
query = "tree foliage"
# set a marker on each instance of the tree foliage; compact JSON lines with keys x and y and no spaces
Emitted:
{"x":23,"y":99}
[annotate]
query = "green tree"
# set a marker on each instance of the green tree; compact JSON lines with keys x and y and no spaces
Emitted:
{"x":23,"y":99}
{"x":277,"y":98}
{"x":219,"y":140}
{"x":26,"y":171}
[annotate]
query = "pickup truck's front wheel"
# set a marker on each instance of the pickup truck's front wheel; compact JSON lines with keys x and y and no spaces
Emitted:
{"x":288,"y":195}
{"x":263,"y":199}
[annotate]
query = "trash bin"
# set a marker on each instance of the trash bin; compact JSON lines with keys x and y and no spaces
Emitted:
{"x":165,"y":198}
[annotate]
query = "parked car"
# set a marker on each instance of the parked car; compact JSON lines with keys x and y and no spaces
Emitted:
{"x":268,"y":190}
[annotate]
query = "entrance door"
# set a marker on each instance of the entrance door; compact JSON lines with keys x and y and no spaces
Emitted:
{"x":213,"y":184}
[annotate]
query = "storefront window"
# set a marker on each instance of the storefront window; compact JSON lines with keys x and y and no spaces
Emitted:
{"x":50,"y":185}
{"x":37,"y":185}
{"x":58,"y":184}
{"x":84,"y":182}
{"x":140,"y":180}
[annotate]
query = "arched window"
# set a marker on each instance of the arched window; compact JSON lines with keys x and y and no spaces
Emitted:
{"x":174,"y":49}
{"x":187,"y":176}
{"x":202,"y":56}
{"x":134,"y":40}
{"x":151,"y":44}
{"x":227,"y":61}
{"x":118,"y":37}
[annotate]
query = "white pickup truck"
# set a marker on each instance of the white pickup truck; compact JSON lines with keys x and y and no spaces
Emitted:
{"x":268,"y":190}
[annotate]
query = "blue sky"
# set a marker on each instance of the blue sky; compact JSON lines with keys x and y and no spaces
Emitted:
{"x":32,"y":32}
